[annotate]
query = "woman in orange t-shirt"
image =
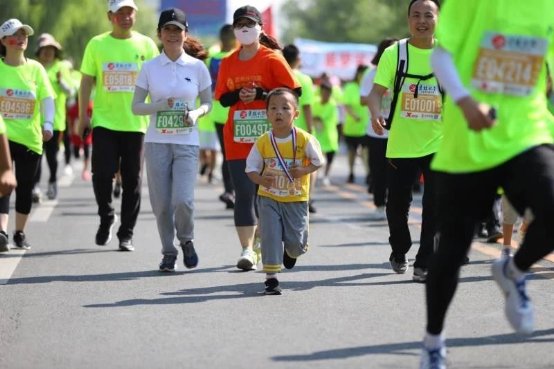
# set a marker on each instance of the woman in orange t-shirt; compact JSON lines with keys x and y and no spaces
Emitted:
{"x":244,"y":78}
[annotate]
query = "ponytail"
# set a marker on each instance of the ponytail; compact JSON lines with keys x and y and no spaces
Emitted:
{"x":194,"y":48}
{"x":2,"y":50}
{"x":269,"y":41}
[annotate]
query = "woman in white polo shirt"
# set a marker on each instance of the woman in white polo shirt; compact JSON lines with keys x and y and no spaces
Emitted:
{"x":173,"y":80}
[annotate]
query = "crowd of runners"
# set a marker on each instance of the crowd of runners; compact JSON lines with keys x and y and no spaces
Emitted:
{"x":460,"y":111}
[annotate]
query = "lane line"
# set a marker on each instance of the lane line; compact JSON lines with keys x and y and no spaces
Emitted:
{"x":9,"y":263}
{"x":42,"y":213}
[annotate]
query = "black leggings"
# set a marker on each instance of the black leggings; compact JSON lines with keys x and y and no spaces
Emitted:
{"x":465,"y":199}
{"x":378,"y":168}
{"x":26,"y":164}
{"x":245,"y":194}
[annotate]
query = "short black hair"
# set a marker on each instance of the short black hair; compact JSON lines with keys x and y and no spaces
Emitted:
{"x":386,"y":42}
{"x":291,"y":53}
{"x":281,"y":91}
{"x":225,"y":30}
{"x":437,"y":3}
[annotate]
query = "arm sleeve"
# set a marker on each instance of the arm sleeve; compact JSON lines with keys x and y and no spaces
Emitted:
{"x":48,"y":109}
{"x":205,"y":100}
{"x":229,"y":98}
{"x":254,"y":161}
{"x":139,"y":107}
{"x":446,"y":73}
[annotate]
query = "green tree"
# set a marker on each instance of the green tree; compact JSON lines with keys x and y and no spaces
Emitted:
{"x":71,"y":22}
{"x":363,"y":21}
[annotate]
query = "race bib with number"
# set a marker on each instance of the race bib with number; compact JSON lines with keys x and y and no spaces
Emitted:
{"x":17,"y":104}
{"x":173,"y":122}
{"x":119,"y":77}
{"x":281,"y":186}
{"x":249,"y":125}
{"x":427,"y":105}
{"x":509,"y":64}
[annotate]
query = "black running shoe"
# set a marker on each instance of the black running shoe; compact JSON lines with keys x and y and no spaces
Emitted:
{"x":168,"y":263}
{"x":4,"y":244}
{"x":20,"y":240}
{"x":126,"y":244}
{"x":227,"y":198}
{"x":190,"y":258}
{"x":104,"y":233}
{"x":288,"y":262}
{"x":272,"y":287}
{"x":311,"y":207}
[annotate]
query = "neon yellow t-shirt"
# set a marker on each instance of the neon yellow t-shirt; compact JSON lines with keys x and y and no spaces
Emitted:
{"x":22,"y":89}
{"x":499,"y":51}
{"x":351,"y":97}
{"x":2,"y":126}
{"x":307,"y":97}
{"x":115,"y":63}
{"x":61,"y":97}
{"x":218,"y":114}
{"x":326,"y":119}
{"x":417,"y":127}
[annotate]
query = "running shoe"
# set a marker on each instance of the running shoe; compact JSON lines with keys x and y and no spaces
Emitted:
{"x":68,"y":170}
{"x":288,"y":261}
{"x":420,"y":275}
{"x":37,"y":195}
{"x":378,"y":214}
{"x":52,"y":191}
{"x":518,"y":308}
{"x":126,"y":244}
{"x":227,"y":198}
{"x":20,"y":240}
{"x":168,"y":263}
{"x":272,"y":287}
{"x":400,"y":266}
{"x":104,"y":233}
{"x":190,"y":258}
{"x":86,"y":176}
{"x":326,"y":182}
{"x":433,"y":359}
{"x":247,"y":260}
{"x":4,"y":244}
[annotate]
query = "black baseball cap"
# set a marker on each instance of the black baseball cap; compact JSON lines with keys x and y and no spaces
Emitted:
{"x":249,"y":12}
{"x":173,"y":16}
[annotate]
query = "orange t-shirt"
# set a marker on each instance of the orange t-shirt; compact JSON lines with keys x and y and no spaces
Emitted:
{"x":268,"y":70}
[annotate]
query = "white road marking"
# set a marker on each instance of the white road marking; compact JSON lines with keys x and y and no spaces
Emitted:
{"x":8,"y":263}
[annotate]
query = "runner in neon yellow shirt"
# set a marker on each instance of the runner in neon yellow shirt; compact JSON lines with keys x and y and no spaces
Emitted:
{"x":356,"y":120}
{"x":112,"y":61}
{"x":326,"y":120}
{"x":27,"y":106}
{"x":414,"y":136}
{"x":497,"y":134}
{"x":49,"y":55}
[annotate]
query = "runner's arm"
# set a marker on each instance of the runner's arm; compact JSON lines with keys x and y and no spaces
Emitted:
{"x":229,"y":98}
{"x":140,"y":107}
{"x":87,"y":82}
{"x":48,"y":110}
{"x":205,"y":105}
{"x":446,"y":73}
{"x":374,"y":103}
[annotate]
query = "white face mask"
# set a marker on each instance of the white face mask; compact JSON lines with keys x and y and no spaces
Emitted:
{"x":248,"y":36}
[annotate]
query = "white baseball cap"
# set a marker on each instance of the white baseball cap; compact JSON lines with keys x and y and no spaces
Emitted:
{"x":115,"y":5}
{"x":11,"y":26}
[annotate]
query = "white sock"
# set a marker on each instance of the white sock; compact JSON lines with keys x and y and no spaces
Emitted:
{"x":513,"y":271}
{"x":433,"y":341}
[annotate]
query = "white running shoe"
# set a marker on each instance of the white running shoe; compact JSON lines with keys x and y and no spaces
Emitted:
{"x":247,"y":260}
{"x":326,"y":182}
{"x":378,"y":214}
{"x":518,"y":309}
{"x":68,"y":170}
{"x":433,"y":359}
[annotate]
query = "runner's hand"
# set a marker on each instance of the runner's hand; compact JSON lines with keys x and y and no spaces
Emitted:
{"x":84,"y":125}
{"x":478,"y":116}
{"x":247,"y":95}
{"x":192,"y":117}
{"x":47,"y":135}
{"x":7,"y":182}
{"x":297,"y":171}
{"x":378,"y":123}
{"x":267,"y":180}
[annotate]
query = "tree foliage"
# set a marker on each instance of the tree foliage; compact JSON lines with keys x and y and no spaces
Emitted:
{"x":363,"y":21}
{"x":71,"y":22}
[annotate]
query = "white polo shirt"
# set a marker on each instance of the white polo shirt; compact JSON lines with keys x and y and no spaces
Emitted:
{"x":181,"y":80}
{"x":365,"y":88}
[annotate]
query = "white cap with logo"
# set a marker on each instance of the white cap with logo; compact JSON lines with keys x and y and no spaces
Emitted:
{"x":11,"y":26}
{"x":115,"y":5}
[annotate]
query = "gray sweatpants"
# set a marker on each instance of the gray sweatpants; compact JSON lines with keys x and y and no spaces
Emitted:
{"x":282,"y":223}
{"x":171,"y":171}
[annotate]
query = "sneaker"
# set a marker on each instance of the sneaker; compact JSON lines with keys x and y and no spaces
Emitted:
{"x":399,"y":266}
{"x":20,"y":240}
{"x":52,"y":191}
{"x":37,"y":195}
{"x":126,"y":244}
{"x":168,"y":263}
{"x":378,"y":214}
{"x":272,"y":287}
{"x":433,"y":359}
{"x":190,"y":258}
{"x":420,"y":275}
{"x":247,"y":260}
{"x":104,"y":233}
{"x":326,"y":182}
{"x":68,"y":170}
{"x":227,"y":198}
{"x":518,"y":308}
{"x":288,"y":261}
{"x":117,"y":189}
{"x":4,"y":245}
{"x":86,"y":176}
{"x":311,"y":207}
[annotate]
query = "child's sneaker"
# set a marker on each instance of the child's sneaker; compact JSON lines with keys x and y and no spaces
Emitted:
{"x":288,"y":261}
{"x":272,"y":287}
{"x":433,"y":359}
